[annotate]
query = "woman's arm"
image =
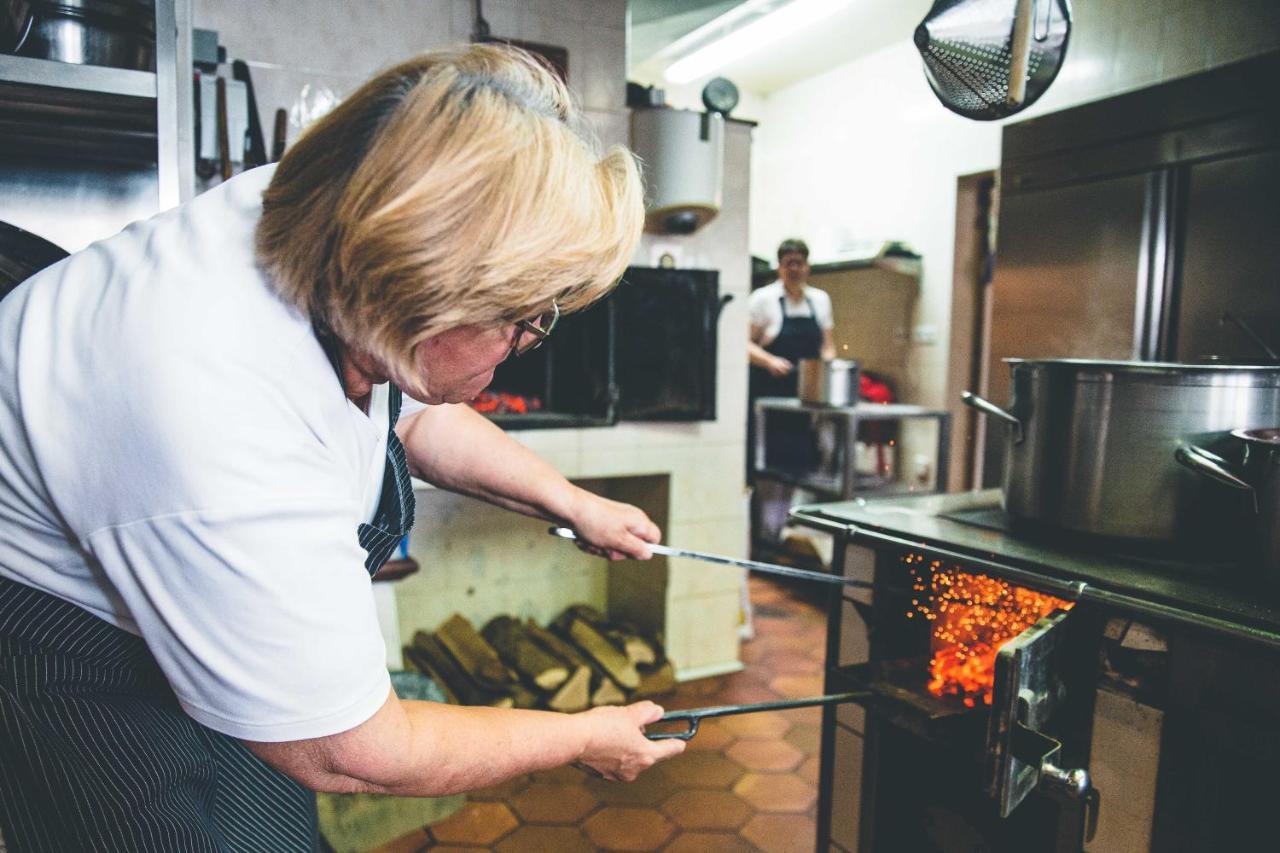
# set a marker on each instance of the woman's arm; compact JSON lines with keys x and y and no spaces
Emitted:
{"x":428,"y":749}
{"x":456,"y":448}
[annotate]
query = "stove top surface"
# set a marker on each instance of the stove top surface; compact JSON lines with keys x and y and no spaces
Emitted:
{"x":971,"y":527}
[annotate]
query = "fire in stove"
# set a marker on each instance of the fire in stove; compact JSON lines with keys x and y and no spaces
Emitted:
{"x":973,"y":615}
{"x":502,"y":403}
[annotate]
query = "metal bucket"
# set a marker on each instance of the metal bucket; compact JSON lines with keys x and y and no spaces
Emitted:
{"x":828,"y":383}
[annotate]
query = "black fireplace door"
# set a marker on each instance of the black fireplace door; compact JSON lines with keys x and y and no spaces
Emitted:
{"x":665,"y":344}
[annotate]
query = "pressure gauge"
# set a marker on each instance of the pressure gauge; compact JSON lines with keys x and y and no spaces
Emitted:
{"x":720,"y":96}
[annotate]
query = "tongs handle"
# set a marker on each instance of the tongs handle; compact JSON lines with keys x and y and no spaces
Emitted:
{"x":693,"y":716}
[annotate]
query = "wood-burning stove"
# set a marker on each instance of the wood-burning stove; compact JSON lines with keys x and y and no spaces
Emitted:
{"x":646,"y":352}
{"x":1031,"y":696}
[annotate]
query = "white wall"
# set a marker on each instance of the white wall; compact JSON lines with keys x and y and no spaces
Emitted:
{"x":865,"y":151}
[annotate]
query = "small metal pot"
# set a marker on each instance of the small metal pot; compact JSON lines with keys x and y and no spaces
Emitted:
{"x":1090,"y":444}
{"x":828,"y":383}
{"x":114,"y":33}
{"x":1258,"y":473}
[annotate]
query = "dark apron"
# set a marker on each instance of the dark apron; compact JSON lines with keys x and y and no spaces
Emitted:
{"x":97,"y":754}
{"x":789,"y":441}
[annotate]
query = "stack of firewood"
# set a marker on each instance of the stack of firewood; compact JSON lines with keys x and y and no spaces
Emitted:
{"x":578,"y":661}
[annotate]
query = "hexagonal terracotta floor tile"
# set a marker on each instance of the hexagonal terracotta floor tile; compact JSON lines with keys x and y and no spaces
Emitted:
{"x":788,"y":662}
{"x":775,"y":755}
{"x":706,"y":810}
{"x":797,"y":686}
{"x":708,"y":842}
{"x":628,"y":828}
{"x":566,"y":775}
{"x":475,"y":823}
{"x":541,"y":839}
{"x":752,"y":652}
{"x":776,"y":792}
{"x":746,"y":693}
{"x":809,"y":770}
{"x":409,"y":843}
{"x":650,"y":789}
{"x":712,"y":736}
{"x":779,"y":833}
{"x":548,"y":802}
{"x":807,"y":739}
{"x":699,"y":770}
{"x":762,"y":724}
{"x":503,"y":790}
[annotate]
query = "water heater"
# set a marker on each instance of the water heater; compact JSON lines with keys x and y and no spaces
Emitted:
{"x":683,"y":157}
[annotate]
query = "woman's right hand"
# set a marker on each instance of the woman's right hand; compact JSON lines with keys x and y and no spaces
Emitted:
{"x":616,"y":746}
{"x":779,"y":366}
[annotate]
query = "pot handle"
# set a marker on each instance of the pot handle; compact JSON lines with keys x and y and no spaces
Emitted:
{"x":1210,"y":465}
{"x":973,"y":401}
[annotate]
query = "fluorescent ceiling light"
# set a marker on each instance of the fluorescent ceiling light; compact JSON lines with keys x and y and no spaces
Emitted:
{"x":751,"y":38}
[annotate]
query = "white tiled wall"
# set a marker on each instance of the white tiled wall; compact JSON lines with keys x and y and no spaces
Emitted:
{"x":339,"y":43}
{"x":866,"y":151}
{"x":482,"y":561}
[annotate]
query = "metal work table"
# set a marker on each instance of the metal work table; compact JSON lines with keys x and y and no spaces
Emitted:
{"x":967,"y":528}
{"x":850,"y":482}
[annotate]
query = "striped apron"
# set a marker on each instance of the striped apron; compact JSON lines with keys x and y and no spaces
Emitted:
{"x":97,"y":754}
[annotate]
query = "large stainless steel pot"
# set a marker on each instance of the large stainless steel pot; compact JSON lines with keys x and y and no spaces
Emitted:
{"x":828,"y":383}
{"x":1090,"y":444}
{"x":1254,"y":469}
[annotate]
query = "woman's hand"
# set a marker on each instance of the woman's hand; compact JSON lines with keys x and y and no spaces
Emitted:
{"x":779,"y":366}
{"x":616,"y":746}
{"x":612,"y":529}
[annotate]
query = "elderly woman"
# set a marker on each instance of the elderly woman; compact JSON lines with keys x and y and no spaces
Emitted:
{"x":205,"y":454}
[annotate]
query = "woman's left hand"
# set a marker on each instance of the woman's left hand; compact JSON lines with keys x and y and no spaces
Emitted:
{"x":612,"y":529}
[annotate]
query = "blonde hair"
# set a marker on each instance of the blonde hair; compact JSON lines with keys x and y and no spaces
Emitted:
{"x":453,"y":189}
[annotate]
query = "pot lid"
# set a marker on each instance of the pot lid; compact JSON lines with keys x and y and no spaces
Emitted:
{"x":1266,"y":435}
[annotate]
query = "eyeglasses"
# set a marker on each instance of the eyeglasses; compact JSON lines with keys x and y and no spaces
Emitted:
{"x":531,"y":333}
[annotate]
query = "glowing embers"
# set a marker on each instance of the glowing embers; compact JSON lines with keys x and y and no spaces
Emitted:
{"x":502,"y":403}
{"x":973,"y":615}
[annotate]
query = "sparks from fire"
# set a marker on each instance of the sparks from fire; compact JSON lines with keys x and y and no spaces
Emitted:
{"x":973,"y":615}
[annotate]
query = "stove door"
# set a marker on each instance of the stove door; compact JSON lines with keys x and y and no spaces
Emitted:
{"x":1028,"y":690}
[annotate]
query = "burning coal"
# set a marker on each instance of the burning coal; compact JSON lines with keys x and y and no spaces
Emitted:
{"x":973,"y":615}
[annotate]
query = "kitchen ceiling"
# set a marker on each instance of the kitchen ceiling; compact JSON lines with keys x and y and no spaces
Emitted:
{"x":856,"y":29}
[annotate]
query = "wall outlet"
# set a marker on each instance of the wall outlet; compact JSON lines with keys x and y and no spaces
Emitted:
{"x":925,"y":333}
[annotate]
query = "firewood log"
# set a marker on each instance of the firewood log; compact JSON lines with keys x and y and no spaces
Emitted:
{"x":604,"y":653}
{"x":604,"y":691}
{"x":524,"y":654}
{"x":473,"y":654}
{"x":656,"y":680}
{"x":635,"y":646}
{"x":428,"y":655}
{"x":575,"y":693}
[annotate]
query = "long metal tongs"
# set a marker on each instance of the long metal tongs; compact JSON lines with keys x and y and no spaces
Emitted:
{"x":693,"y":716}
{"x":749,"y":565}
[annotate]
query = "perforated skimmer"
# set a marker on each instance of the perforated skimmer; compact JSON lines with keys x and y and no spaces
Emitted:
{"x":988,"y":59}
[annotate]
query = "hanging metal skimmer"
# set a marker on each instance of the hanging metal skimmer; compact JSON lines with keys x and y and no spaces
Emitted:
{"x":988,"y":59}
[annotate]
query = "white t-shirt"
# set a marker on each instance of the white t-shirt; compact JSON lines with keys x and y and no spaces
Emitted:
{"x":177,"y":457}
{"x":765,"y":312}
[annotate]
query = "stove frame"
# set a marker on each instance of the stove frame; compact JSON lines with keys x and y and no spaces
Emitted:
{"x":1213,"y":734}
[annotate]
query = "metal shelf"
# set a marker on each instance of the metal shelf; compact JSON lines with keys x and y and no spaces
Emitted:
{"x":89,"y":80}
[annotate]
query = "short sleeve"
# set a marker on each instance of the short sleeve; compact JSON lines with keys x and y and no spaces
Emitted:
{"x":759,"y":311}
{"x":410,"y":407}
{"x":263,"y":621}
{"x":822,"y":305}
